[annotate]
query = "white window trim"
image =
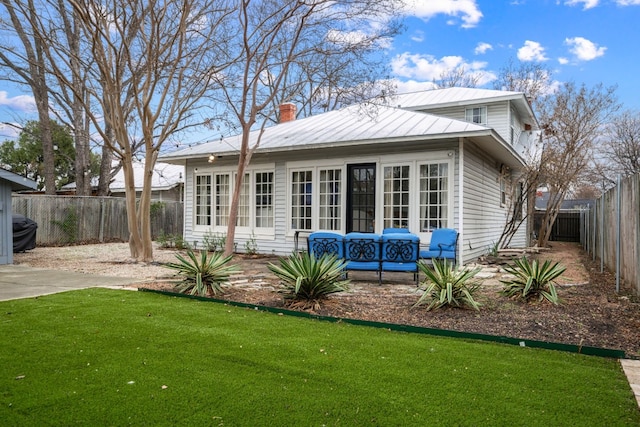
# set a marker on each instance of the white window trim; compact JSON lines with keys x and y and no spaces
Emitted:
{"x":242,"y":232}
{"x":315,"y":169}
{"x":414,"y":191}
{"x":426,"y":235}
{"x":484,"y":114}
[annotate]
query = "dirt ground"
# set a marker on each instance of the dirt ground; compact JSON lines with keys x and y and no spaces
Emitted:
{"x":591,"y":313}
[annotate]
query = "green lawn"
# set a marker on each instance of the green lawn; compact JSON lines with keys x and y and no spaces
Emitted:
{"x":106,"y":357}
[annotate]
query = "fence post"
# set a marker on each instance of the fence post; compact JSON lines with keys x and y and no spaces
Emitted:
{"x":618,"y":231}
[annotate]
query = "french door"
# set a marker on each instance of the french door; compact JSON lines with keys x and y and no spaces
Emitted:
{"x":361,"y":197}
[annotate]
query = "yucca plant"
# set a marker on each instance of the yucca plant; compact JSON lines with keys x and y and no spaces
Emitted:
{"x":448,"y":285}
{"x":308,"y":280}
{"x":530,"y":280}
{"x":203,"y":276}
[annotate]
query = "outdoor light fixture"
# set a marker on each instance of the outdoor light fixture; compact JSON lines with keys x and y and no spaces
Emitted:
{"x":212,"y":158}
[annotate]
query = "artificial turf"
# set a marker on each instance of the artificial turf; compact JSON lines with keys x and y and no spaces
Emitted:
{"x":107,"y":357}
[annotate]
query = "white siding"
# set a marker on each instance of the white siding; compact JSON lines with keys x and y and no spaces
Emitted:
{"x":483,"y":215}
{"x":497,"y":116}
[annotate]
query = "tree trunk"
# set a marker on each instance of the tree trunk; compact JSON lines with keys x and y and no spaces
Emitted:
{"x":135,"y":242}
{"x":48,"y":161}
{"x":144,"y":209}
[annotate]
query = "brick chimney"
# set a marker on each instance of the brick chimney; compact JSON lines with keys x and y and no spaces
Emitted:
{"x":287,"y":112}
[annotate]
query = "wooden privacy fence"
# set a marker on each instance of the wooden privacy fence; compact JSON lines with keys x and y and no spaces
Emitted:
{"x":611,"y":232}
{"x":566,"y":227}
{"x":66,"y":220}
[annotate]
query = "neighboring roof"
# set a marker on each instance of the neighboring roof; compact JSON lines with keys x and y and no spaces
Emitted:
{"x":542,"y":198}
{"x":165,"y":177}
{"x":354,"y":125}
{"x":17,"y":182}
{"x":457,"y":96}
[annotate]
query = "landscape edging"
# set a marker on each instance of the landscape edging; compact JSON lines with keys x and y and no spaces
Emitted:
{"x":571,"y":348}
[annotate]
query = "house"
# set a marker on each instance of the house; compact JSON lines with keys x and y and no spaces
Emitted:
{"x":9,"y":182}
{"x":167,"y":182}
{"x":432,"y":159}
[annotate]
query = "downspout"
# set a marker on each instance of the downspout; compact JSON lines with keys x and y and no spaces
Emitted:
{"x":460,"y":200}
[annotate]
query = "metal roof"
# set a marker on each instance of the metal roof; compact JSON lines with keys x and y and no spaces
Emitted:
{"x":363,"y":123}
{"x":458,"y":96}
{"x":17,"y":182}
{"x":164,"y":176}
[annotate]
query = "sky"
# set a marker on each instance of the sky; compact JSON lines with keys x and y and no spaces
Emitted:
{"x":583,"y":41}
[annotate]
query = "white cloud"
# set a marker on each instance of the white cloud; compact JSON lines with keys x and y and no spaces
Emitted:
{"x":482,"y":48}
{"x":413,"y":86}
{"x":418,"y":36}
{"x":531,"y":51}
{"x":563,"y":61}
{"x":628,"y":2}
{"x":465,"y":10}
{"x":587,"y":4}
{"x":583,"y":49}
{"x":24,"y":103}
{"x":9,"y":130}
{"x":428,"y":68}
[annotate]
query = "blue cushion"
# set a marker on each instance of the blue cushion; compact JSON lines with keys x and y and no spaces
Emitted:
{"x":363,"y":265}
{"x":443,"y":238}
{"x":399,"y":266}
{"x":362,"y":247}
{"x":437,"y":254}
{"x":395,"y":230}
{"x":325,"y":242}
{"x":400,"y":247}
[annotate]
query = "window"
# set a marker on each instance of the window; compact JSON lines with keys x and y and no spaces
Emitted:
{"x":505,"y":177}
{"x":203,"y":199}
{"x":264,"y":200}
{"x":223,"y":194}
{"x":396,"y":197}
{"x":330,"y":199}
{"x":476,"y":115}
{"x":301,"y":192}
{"x":243,"y":201}
{"x":434,"y":196}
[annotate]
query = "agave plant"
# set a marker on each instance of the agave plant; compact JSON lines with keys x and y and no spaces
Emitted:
{"x":308,"y":280}
{"x":447,"y":285}
{"x":530,"y":280}
{"x":203,"y":276}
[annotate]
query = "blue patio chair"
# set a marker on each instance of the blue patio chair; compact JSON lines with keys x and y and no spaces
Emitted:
{"x":400,"y":253}
{"x":362,"y":252}
{"x":444,"y":242}
{"x":325,"y":242}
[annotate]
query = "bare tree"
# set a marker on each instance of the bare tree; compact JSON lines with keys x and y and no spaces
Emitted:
{"x":533,"y":79}
{"x":277,"y":44}
{"x":28,"y":63}
{"x":152,"y":68}
{"x":572,"y":119}
{"x":457,"y":77}
{"x":622,"y":144}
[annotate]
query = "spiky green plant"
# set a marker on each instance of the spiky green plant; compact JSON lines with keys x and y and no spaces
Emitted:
{"x":203,"y":276}
{"x":530,"y":280}
{"x":448,"y":285}
{"x":308,"y":280}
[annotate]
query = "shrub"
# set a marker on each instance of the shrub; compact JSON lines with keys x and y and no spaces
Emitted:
{"x":447,"y":285}
{"x":251,"y":246}
{"x":214,"y":242}
{"x":203,"y":276}
{"x":530,"y":280}
{"x":308,"y":280}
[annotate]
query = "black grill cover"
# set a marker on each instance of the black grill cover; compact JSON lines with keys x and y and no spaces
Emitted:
{"x":24,"y":233}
